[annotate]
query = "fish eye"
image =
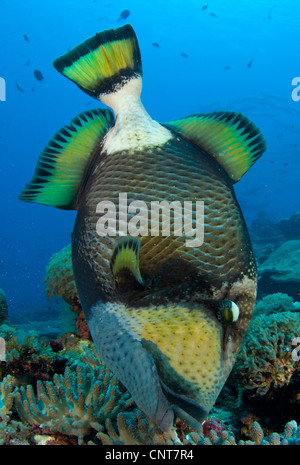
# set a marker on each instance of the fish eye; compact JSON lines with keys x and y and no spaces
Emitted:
{"x":227,"y":312}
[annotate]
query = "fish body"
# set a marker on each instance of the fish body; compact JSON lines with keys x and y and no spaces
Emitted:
{"x":38,"y":75}
{"x":167,"y":305}
{"x":124,"y":14}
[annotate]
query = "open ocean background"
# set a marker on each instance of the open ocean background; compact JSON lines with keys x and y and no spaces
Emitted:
{"x":230,"y":55}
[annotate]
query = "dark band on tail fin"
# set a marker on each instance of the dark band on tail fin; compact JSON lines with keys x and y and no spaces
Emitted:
{"x":104,"y":62}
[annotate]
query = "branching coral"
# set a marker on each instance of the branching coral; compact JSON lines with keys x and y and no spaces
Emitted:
{"x":6,"y":396}
{"x":75,"y":404}
{"x":133,"y":428}
{"x":266,"y":358}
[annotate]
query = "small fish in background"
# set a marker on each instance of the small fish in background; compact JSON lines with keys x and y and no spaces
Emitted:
{"x":38,"y":75}
{"x":124,"y":15}
{"x":227,"y":67}
{"x":204,"y":7}
{"x":249,"y":64}
{"x":155,"y":44}
{"x":27,"y":63}
{"x":19,"y":87}
{"x":213,"y":14}
{"x":270,"y":12}
{"x":25,"y":37}
{"x":184,"y":55}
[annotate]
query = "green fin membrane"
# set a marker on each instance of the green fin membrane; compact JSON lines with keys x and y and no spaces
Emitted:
{"x":63,"y":164}
{"x":104,"y":62}
{"x":230,"y":138}
{"x":126,"y":257}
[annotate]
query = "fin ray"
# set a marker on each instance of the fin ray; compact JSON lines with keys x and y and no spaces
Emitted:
{"x":104,"y":62}
{"x":64,"y":162}
{"x":230,"y":138}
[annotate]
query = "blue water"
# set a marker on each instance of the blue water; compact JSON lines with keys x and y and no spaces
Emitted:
{"x":263,"y":32}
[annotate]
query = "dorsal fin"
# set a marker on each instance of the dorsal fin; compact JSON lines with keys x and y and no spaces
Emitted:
{"x":64,"y":162}
{"x":230,"y":138}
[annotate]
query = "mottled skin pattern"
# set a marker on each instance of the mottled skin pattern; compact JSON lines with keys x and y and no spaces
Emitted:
{"x":176,"y":277}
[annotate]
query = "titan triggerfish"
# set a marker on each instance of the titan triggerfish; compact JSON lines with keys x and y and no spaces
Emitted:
{"x":162,"y":259}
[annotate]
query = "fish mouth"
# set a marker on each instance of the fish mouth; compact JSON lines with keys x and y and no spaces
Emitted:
{"x":170,"y":358}
{"x":189,"y":411}
{"x":192,"y":355}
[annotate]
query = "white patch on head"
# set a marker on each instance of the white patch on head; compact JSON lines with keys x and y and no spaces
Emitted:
{"x":134,"y":128}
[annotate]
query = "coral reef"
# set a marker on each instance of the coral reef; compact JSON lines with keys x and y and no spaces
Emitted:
{"x":133,"y":428}
{"x":281,"y":270}
{"x":60,"y":278}
{"x":265,"y":382}
{"x":273,"y":303}
{"x":265,"y":359}
{"x":6,"y":397}
{"x":75,"y":403}
{"x":28,"y":359}
{"x":60,"y":282}
{"x":3,"y":307}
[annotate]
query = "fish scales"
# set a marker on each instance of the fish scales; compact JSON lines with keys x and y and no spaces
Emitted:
{"x":167,"y":314}
{"x":148,"y":177}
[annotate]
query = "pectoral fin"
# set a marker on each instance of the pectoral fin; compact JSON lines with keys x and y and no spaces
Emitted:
{"x":126,"y":257}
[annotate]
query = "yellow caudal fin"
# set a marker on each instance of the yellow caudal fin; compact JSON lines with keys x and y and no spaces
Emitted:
{"x":230,"y":138}
{"x":104,"y":63}
{"x":126,"y":257}
{"x":64,"y":163}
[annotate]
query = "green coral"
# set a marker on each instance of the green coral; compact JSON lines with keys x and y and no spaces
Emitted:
{"x":273,"y":303}
{"x":6,"y":396}
{"x":265,"y":359}
{"x":76,"y":403}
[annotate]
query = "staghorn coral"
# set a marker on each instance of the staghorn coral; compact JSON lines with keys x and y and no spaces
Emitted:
{"x":76,"y":403}
{"x":60,"y":279}
{"x":6,"y":396}
{"x":133,"y":428}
